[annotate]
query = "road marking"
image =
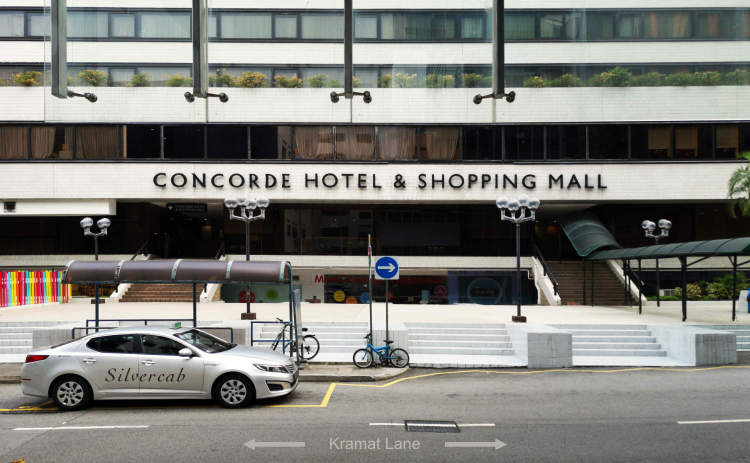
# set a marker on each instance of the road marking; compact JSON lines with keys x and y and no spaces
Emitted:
{"x":253,"y":444}
{"x":496,"y":444}
{"x":466,"y":425}
{"x":387,"y":424}
{"x":79,"y":428}
{"x":744,"y":420}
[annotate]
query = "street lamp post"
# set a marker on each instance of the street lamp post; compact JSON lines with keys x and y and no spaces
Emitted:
{"x":648,"y":229}
{"x":103,"y":225}
{"x":246,"y":208}
{"x":518,"y":211}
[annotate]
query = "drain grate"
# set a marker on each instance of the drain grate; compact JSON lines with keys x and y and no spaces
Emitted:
{"x":431,"y":426}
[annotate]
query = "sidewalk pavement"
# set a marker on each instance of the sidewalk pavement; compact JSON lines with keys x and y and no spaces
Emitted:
{"x":11,"y":373}
{"x":707,"y":313}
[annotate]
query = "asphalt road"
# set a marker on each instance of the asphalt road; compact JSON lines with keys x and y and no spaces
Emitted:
{"x":574,"y":416}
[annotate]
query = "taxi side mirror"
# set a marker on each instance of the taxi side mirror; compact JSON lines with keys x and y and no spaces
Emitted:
{"x":185,"y":352}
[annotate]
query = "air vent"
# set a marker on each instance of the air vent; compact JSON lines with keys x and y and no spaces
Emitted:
{"x":9,"y":206}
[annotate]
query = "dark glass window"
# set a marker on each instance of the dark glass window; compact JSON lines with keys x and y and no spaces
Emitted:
{"x":123,"y":25}
{"x":744,"y":138}
{"x":12,"y":23}
{"x":443,"y":27}
{"x":264,"y":142}
{"x":481,"y":143}
{"x":323,"y":26}
{"x":651,"y":142}
{"x":183,"y":141}
{"x":160,"y":25}
{"x":629,"y":26}
{"x":159,"y":345}
{"x":608,"y":141}
{"x":693,"y":142}
{"x":709,"y":24}
{"x":566,"y":142}
{"x":115,"y":344}
{"x":727,"y":141}
{"x":600,"y":26}
{"x":246,"y":26}
{"x":143,"y":141}
{"x":88,"y":24}
{"x":405,"y":26}
{"x":366,"y":26}
{"x":472,"y":27}
{"x":520,"y":26}
{"x":285,"y":26}
{"x":667,"y":25}
{"x":524,"y":142}
{"x":228,"y":141}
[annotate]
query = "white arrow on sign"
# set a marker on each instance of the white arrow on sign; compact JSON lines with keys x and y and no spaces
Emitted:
{"x":390,"y":267}
{"x":497,"y":444}
{"x":253,"y":444}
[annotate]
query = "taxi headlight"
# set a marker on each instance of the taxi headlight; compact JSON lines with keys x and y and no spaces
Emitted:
{"x":271,"y":368}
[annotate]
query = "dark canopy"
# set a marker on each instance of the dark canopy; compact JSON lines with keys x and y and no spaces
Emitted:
{"x":176,"y":271}
{"x":587,"y":234}
{"x":722,"y":247}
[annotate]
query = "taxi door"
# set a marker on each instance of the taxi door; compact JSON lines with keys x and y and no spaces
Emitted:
{"x":110,"y":364}
{"x":163,"y":372}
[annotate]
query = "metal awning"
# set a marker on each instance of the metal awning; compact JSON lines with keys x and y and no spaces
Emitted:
{"x":587,"y":234}
{"x":722,"y":247}
{"x":176,"y":271}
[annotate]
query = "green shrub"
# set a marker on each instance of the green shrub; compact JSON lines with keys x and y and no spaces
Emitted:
{"x":3,"y":82}
{"x":251,"y":80}
{"x":534,"y":82}
{"x":436,"y":80}
{"x":404,"y":80}
{"x":385,"y":81}
{"x":317,"y":81}
{"x":221,"y":79}
{"x":93,"y":78}
{"x":334,"y":83}
{"x":472,"y":80}
{"x":179,"y":81}
{"x":618,"y":76}
{"x":708,"y":78}
{"x":721,"y":287}
{"x":28,"y":78}
{"x":651,"y":79}
{"x":140,"y":79}
{"x":282,"y":81}
{"x":693,"y":292}
{"x":356,"y":82}
{"x":664,"y":298}
{"x":680,"y":79}
{"x":736,"y":77}
{"x":566,"y":80}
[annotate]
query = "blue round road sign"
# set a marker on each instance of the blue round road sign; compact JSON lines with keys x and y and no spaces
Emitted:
{"x":386,"y":268}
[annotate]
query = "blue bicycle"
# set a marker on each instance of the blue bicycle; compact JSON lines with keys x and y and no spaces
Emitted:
{"x":398,"y":358}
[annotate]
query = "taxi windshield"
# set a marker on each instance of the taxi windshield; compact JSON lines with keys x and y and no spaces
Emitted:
{"x":205,"y":341}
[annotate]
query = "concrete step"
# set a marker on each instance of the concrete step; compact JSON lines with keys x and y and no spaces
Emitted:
{"x":610,"y":332}
{"x":350,"y":348}
{"x":16,"y":342}
{"x":459,"y":337}
{"x":619,"y":353}
{"x":614,"y":339}
{"x":616,"y":345}
{"x":496,"y":331}
{"x":446,"y":343}
{"x":599,"y":326}
{"x":17,"y":329}
{"x":26,"y":324}
{"x":459,"y":350}
{"x":15,"y":349}
{"x":411,"y":325}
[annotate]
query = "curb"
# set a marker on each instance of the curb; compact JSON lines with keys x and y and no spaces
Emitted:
{"x":10,"y":379}
{"x":360,"y":378}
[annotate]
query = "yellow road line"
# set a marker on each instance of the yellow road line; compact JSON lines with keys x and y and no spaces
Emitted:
{"x":332,"y":387}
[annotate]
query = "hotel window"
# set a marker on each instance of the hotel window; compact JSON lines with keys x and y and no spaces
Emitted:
{"x":184,"y":141}
{"x":520,"y":26}
{"x":37,"y":25}
{"x":405,"y":26}
{"x":165,"y":25}
{"x":741,"y":29}
{"x":443,"y":27}
{"x":481,"y":143}
{"x":651,"y":142}
{"x":365,"y":26}
{"x":744,"y":138}
{"x":524,"y":142}
{"x":608,"y":141}
{"x":143,"y":141}
{"x":566,"y":142}
{"x":600,"y":26}
{"x":123,"y":25}
{"x":667,"y":25}
{"x":629,"y":26}
{"x":439,"y":143}
{"x":120,"y":77}
{"x":245,"y":26}
{"x":323,"y":26}
{"x":727,"y":141}
{"x":52,"y":142}
{"x":228,"y":141}
{"x":472,"y":27}
{"x":14,"y":142}
{"x":213,"y":26}
{"x":367,"y":77}
{"x":12,"y":23}
{"x":88,"y":24}
{"x":692,"y":142}
{"x":285,"y":26}
{"x":355,"y":143}
{"x":397,"y":143}
{"x":98,"y":142}
{"x":314,"y":143}
{"x":709,"y":25}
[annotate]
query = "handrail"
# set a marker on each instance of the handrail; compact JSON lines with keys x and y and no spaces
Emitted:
{"x":635,"y":278}
{"x":547,"y":272}
{"x":221,"y":252}
{"x":144,"y":246}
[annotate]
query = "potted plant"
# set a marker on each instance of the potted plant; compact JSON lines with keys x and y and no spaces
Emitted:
{"x":736,"y":77}
{"x":680,"y":79}
{"x":93,"y":78}
{"x":28,"y":78}
{"x":251,"y":80}
{"x":318,"y":81}
{"x":650,"y":79}
{"x":140,"y":79}
{"x":179,"y":81}
{"x":404,"y":80}
{"x":534,"y":82}
{"x":436,"y":80}
{"x":282,"y":81}
{"x":221,"y":79}
{"x":566,"y":80}
{"x":385,"y":81}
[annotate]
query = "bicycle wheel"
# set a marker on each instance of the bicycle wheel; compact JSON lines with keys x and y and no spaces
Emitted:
{"x":399,"y":358}
{"x":362,"y":358}
{"x":310,"y":347}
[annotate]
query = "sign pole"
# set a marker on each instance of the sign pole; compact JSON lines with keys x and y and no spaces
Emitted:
{"x":369,"y":277}
{"x":386,"y":310}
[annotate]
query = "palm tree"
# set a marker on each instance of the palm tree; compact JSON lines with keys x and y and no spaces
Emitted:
{"x":739,"y":187}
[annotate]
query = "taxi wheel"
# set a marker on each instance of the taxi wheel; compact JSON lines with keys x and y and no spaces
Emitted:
{"x":234,"y":391}
{"x":71,"y":393}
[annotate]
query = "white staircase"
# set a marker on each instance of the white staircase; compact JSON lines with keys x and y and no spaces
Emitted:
{"x":445,"y":345}
{"x":742,"y":332}
{"x":615,"y":345}
{"x":338,"y":341}
{"x":16,"y":340}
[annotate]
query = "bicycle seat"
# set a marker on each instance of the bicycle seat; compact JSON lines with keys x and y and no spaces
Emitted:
{"x":388,"y":341}
{"x":304,"y":329}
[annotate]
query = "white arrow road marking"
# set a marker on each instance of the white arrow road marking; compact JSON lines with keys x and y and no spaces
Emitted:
{"x":79,"y":428}
{"x":253,"y":444}
{"x":497,"y":444}
{"x":714,"y":421}
{"x":389,"y":267}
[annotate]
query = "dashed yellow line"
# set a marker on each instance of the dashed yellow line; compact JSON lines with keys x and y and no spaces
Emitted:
{"x":332,"y":387}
